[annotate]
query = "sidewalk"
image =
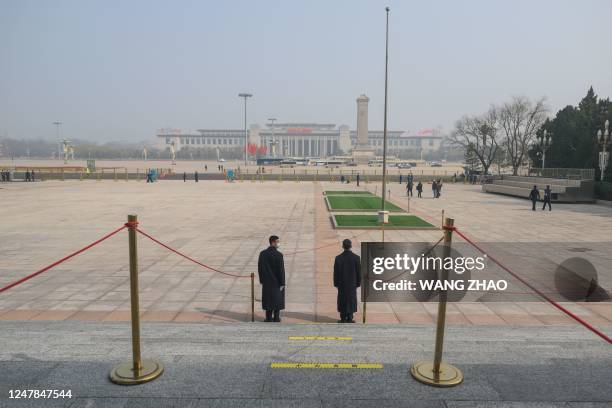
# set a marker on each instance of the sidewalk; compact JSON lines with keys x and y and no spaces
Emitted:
{"x":228,"y":365}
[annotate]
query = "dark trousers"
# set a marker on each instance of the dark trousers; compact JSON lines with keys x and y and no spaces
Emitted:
{"x":270,"y":313}
{"x":533,"y":202}
{"x":546,"y":201}
{"x":409,"y":193}
{"x":419,"y":195}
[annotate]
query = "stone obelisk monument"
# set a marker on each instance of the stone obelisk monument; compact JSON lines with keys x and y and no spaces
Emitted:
{"x":362,"y":152}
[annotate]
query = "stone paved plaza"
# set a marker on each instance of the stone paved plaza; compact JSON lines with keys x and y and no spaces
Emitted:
{"x":225,"y":225}
{"x":66,"y":329}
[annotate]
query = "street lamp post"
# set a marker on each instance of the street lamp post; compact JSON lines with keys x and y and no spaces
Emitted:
{"x":57,"y":138}
{"x":246,"y":135}
{"x":384,"y":169}
{"x":604,"y":140}
{"x":273,"y":144}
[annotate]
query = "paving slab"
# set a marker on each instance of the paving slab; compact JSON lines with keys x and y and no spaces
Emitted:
{"x":228,"y":365}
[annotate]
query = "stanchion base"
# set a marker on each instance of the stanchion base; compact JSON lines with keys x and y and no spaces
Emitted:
{"x":124,"y":373}
{"x":449,"y":375}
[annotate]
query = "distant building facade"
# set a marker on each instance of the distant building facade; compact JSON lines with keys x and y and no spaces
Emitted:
{"x":303,"y":139}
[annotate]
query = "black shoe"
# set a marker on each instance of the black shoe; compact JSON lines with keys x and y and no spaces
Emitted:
{"x":341,"y":321}
{"x":277,"y":320}
{"x":350,"y":321}
{"x":268,"y":320}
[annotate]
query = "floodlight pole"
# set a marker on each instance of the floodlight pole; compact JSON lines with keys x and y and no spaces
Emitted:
{"x":384,"y":169}
{"x":246,"y":135}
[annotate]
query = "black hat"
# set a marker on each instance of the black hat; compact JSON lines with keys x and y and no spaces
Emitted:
{"x":346,"y":244}
{"x":273,"y":238}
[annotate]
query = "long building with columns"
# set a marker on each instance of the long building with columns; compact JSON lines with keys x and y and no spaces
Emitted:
{"x":301,"y":139}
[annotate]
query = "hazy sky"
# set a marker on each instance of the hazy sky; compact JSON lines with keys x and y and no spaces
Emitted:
{"x":119,"y":70}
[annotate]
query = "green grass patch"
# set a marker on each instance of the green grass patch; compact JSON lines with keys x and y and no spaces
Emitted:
{"x":344,"y":192}
{"x":371,"y":221}
{"x":357,"y":203}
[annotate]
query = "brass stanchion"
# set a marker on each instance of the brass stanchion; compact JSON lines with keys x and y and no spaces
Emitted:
{"x":437,"y":373}
{"x":252,"y":297}
{"x":137,"y":371}
{"x":126,"y":174}
{"x":115,"y":173}
{"x":443,"y":219}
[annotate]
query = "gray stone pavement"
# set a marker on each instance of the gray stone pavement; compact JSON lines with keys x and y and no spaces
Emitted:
{"x":222,"y":365}
{"x":225,"y":225}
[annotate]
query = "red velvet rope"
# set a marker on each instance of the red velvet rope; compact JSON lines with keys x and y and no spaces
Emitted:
{"x":188,"y":257}
{"x":539,"y":292}
{"x":46,"y":268}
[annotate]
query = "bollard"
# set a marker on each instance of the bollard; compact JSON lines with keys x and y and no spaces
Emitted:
{"x":137,"y":371}
{"x":442,"y":224}
{"x":439,"y":374}
{"x":137,"y":174}
{"x":115,"y":173}
{"x":252,"y":297}
{"x":364,"y":311}
{"x":408,"y":207}
{"x":126,"y":174}
{"x":98,"y":175}
{"x":63,"y":179}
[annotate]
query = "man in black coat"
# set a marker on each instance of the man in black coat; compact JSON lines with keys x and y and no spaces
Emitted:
{"x":534,"y":196}
{"x":547,"y":198}
{"x":347,"y":278}
{"x":271,"y":269}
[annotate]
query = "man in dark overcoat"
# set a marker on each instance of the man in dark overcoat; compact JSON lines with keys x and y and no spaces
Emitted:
{"x":271,"y":269}
{"x":347,"y":278}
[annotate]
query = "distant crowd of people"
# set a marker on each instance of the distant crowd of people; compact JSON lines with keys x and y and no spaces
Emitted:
{"x":436,"y":187}
{"x":534,"y":196}
{"x":6,"y":175}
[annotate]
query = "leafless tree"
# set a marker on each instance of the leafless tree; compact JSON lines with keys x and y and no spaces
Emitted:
{"x":478,"y":135}
{"x":519,"y":121}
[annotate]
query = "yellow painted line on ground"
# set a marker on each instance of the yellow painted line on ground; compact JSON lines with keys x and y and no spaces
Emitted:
{"x":327,"y":365}
{"x":320,"y":338}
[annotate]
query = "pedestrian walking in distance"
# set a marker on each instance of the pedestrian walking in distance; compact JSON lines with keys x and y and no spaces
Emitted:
{"x":347,"y":278}
{"x":434,"y":188}
{"x":196,"y":176}
{"x":534,"y":196}
{"x":184,"y":176}
{"x":409,"y":188}
{"x":419,"y":189}
{"x":547,"y":198}
{"x":358,"y":179}
{"x":271,"y":269}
